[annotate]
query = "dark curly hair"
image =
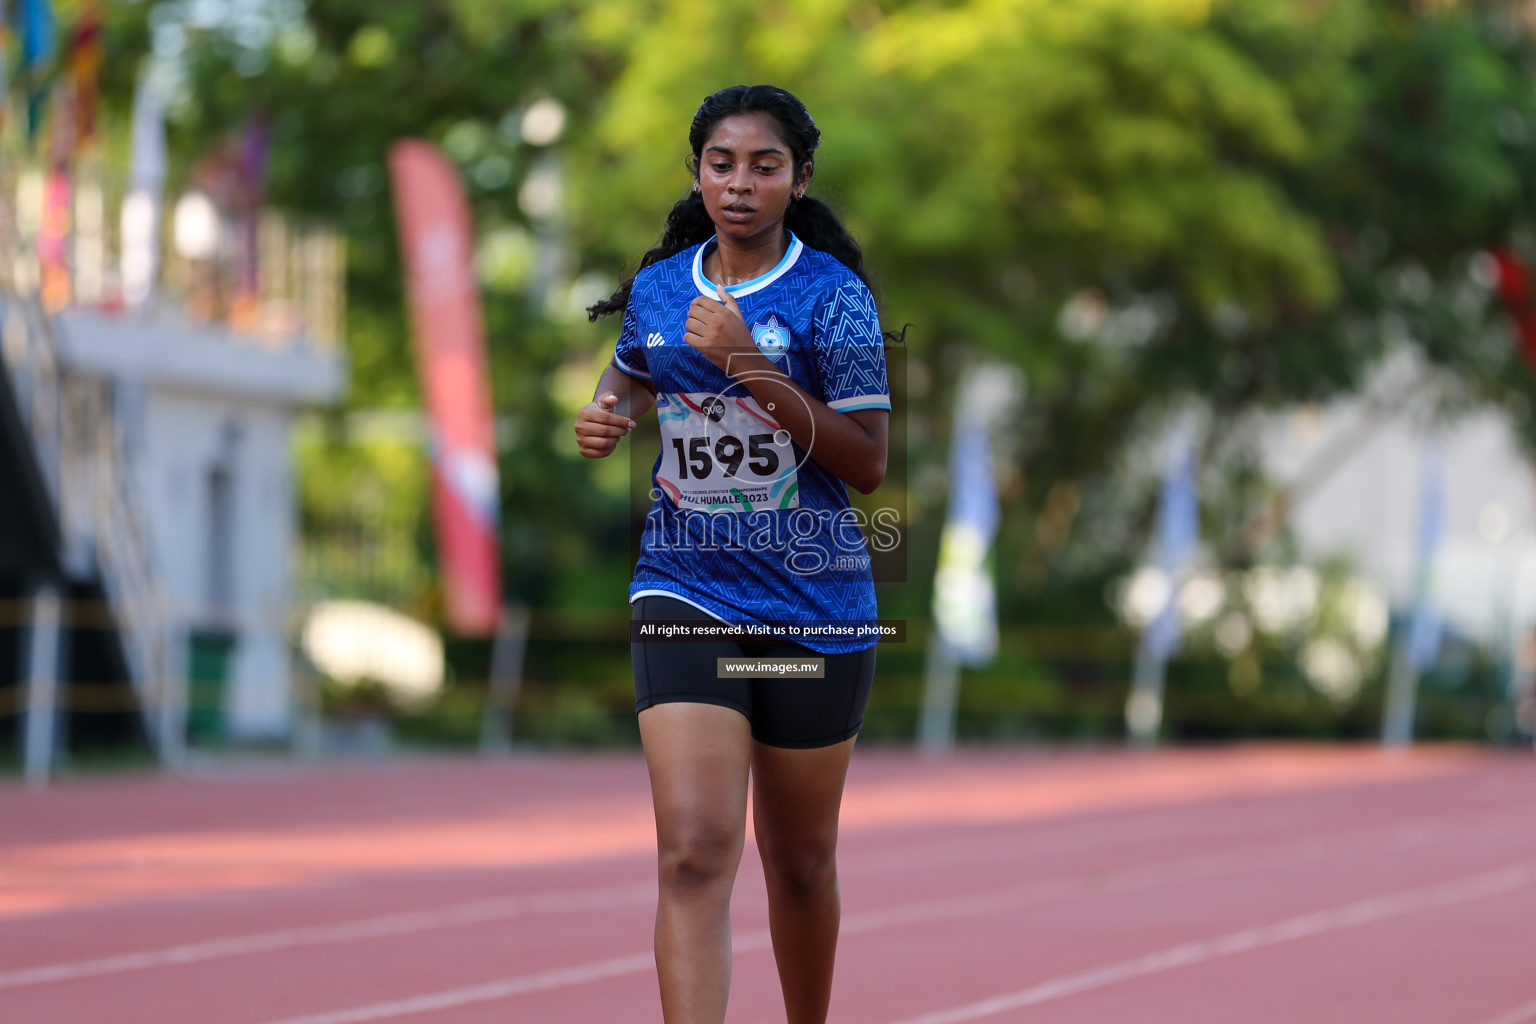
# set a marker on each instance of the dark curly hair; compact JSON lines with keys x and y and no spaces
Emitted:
{"x":812,"y":221}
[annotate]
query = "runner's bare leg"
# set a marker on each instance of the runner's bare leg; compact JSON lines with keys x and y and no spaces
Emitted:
{"x":698,"y":757}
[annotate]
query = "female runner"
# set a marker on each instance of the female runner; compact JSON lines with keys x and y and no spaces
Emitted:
{"x":751,"y":330}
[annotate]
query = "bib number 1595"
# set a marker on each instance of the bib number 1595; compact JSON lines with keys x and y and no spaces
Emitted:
{"x":724,"y":453}
{"x":728,"y":452}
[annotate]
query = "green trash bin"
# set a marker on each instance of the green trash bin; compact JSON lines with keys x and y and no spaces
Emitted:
{"x":209,"y":652}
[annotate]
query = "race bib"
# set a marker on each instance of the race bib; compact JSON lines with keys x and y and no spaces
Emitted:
{"x":722,"y":453}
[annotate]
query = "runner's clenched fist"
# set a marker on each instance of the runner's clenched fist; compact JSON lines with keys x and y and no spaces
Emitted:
{"x":598,"y":427}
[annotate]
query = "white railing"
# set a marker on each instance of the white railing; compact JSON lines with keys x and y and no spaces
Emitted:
{"x":274,"y":279}
{"x":34,"y":370}
{"x":105,"y":513}
{"x":267,"y":278}
{"x":81,"y":454}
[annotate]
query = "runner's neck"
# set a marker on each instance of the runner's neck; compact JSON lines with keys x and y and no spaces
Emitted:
{"x":731,"y":263}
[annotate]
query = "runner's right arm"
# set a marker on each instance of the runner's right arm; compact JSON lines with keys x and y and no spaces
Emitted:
{"x":619,"y":401}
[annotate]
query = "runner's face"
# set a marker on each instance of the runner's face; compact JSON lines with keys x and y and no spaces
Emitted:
{"x":746,"y":176}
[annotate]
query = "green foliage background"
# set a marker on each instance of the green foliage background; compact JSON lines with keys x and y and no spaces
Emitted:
{"x":1248,"y":201}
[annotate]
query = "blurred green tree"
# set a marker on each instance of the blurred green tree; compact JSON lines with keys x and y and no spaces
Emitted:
{"x":1250,"y":202}
{"x":1134,"y":202}
{"x":339,"y":80}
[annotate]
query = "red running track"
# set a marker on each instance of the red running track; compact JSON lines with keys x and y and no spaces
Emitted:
{"x":1255,"y":884}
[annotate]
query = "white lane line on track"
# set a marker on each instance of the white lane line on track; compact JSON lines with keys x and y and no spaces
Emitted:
{"x":1525,"y":1013}
{"x":507,"y":987}
{"x":484,"y":993}
{"x":852,"y":924}
{"x":949,"y":853}
{"x":948,"y":909}
{"x":396,"y":924}
{"x":1309,"y":850}
{"x":913,"y":913}
{"x":1205,"y":865}
{"x":1351,"y":915}
{"x":345,"y":931}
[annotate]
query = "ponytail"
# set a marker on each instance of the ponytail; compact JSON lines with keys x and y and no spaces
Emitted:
{"x":688,"y":224}
{"x":814,"y":223}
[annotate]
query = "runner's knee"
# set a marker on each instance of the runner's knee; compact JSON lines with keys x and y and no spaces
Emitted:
{"x":696,"y":856}
{"x":800,"y":870}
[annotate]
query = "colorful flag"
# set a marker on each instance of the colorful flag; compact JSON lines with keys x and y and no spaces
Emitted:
{"x":1419,"y":644}
{"x":1178,"y":531}
{"x":437,"y":242}
{"x":255,"y":147}
{"x":84,"y":66}
{"x":1423,"y":643}
{"x":37,"y":43}
{"x":37,"y":33}
{"x":5,"y":55}
{"x":53,"y":240}
{"x":964,"y":595}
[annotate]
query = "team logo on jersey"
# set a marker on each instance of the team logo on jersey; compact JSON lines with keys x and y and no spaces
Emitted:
{"x":772,"y":338}
{"x":654,"y":339}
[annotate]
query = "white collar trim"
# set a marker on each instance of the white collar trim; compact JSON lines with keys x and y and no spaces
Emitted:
{"x":707,"y":287}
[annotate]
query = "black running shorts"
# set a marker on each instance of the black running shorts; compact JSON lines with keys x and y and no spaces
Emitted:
{"x":784,"y":712}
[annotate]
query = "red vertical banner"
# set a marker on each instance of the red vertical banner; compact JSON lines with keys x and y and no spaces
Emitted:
{"x":1516,"y":292}
{"x":437,"y":242}
{"x":1512,"y":280}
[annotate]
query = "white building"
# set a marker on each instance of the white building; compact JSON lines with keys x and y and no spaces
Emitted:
{"x":146,"y":412}
{"x":207,"y":419}
{"x":1360,"y":466}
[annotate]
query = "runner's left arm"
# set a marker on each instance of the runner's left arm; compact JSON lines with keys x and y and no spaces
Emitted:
{"x":852,"y":446}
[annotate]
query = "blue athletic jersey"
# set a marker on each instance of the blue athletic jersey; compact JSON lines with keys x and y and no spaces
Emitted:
{"x":744,"y":525}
